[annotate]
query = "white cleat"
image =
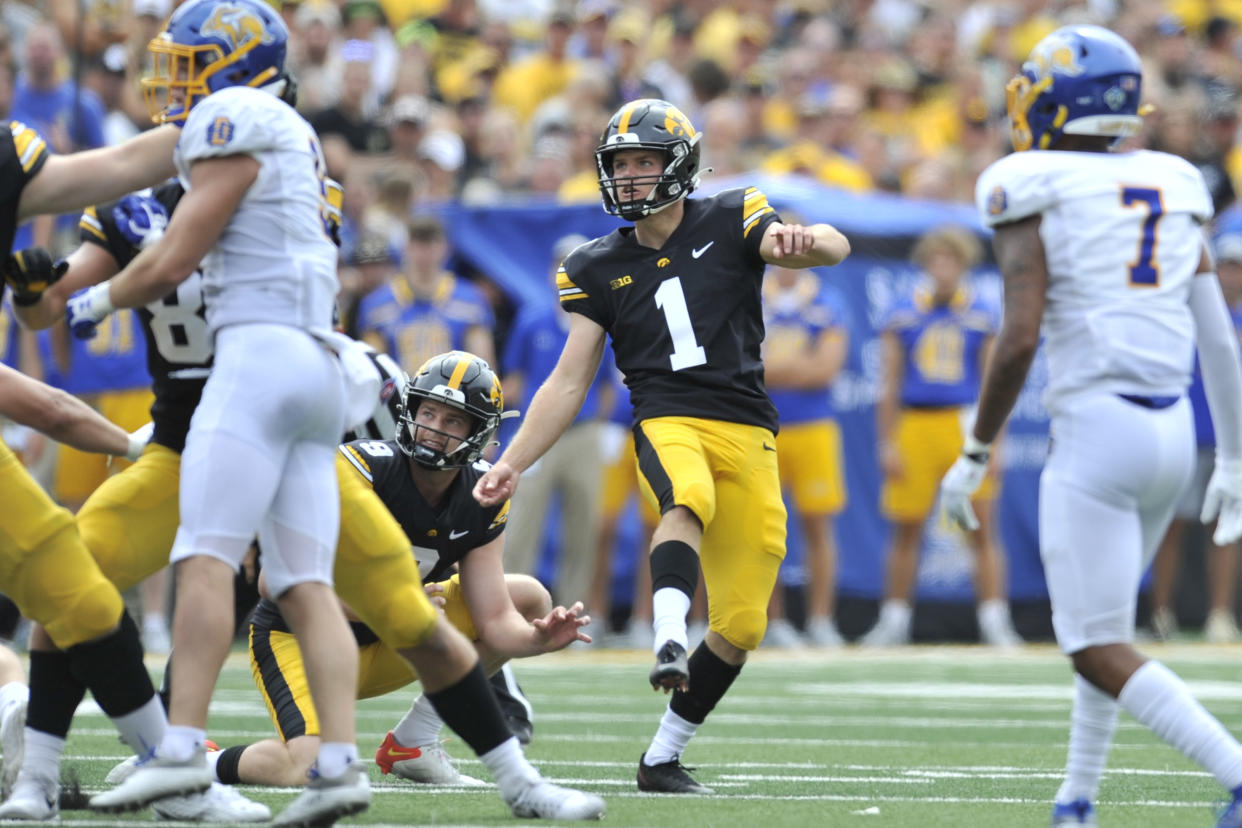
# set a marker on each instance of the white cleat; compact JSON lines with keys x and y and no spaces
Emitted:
{"x":434,"y":767}
{"x":122,"y":770}
{"x":34,"y":798}
{"x":543,"y":800}
{"x":12,"y":745}
{"x":886,"y":633}
{"x":219,"y":803}
{"x":153,"y":780}
{"x":326,"y":800}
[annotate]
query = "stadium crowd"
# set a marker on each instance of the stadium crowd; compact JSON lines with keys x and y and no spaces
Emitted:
{"x":423,"y":102}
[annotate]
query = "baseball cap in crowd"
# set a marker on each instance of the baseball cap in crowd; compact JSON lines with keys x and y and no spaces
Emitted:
{"x":320,"y":11}
{"x":153,"y":8}
{"x":444,"y":148}
{"x":1229,"y":247}
{"x":409,"y":109}
{"x":1169,"y":25}
{"x":115,"y":60}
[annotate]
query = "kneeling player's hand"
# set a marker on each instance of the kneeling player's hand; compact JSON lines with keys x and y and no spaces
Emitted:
{"x":562,"y":627}
{"x":86,"y":309}
{"x":31,"y":271}
{"x":1223,"y":501}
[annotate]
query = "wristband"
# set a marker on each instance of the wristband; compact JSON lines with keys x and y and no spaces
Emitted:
{"x":976,"y":449}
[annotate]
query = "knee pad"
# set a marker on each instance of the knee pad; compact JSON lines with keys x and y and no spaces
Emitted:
{"x":60,"y":587}
{"x":744,"y":629}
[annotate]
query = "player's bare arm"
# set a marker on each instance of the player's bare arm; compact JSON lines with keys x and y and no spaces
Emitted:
{"x":71,"y":182}
{"x":500,"y":626}
{"x":89,"y":265}
{"x":59,"y":415}
{"x":1020,"y":254}
{"x":799,"y":245}
{"x":550,"y":412}
{"x":217,"y":186}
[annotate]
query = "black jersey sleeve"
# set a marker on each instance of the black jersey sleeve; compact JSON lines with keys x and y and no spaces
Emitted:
{"x":756,"y":215}
{"x":97,"y":224}
{"x":23,"y":152}
{"x":576,"y":289}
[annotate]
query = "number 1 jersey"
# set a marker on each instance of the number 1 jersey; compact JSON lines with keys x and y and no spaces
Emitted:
{"x":686,"y":319}
{"x":1121,"y":234}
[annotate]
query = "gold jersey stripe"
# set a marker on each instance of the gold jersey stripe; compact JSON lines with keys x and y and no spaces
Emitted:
{"x":501,"y":517}
{"x":750,"y":225}
{"x":565,"y":287}
{"x":752,"y":205}
{"x":28,"y":143}
{"x":90,"y":222}
{"x":355,"y":459}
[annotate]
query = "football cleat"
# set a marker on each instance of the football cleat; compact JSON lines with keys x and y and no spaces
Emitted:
{"x":1221,"y":628}
{"x":219,"y":803}
{"x":543,"y":800}
{"x":34,"y":798}
{"x":125,"y":768}
{"x":12,"y":745}
{"x":668,"y":777}
{"x":155,"y":779}
{"x":1078,"y":812}
{"x":326,"y":800}
{"x":671,"y":671}
{"x":426,"y":764}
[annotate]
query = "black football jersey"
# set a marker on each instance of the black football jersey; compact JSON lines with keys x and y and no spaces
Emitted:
{"x":179,"y":349}
{"x":441,"y":535}
{"x":686,"y":320}
{"x":22,"y":154}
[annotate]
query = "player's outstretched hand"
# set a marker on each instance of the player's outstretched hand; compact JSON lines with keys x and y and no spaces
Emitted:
{"x":496,"y":485}
{"x":793,"y":240}
{"x":31,"y":271}
{"x":562,"y":627}
{"x":1223,"y":501}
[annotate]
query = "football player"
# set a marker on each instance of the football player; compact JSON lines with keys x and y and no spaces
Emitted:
{"x":44,"y":566}
{"x":679,"y":292}
{"x":448,"y":416}
{"x":1103,"y":252}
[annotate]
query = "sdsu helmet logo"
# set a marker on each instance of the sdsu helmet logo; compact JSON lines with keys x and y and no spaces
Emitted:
{"x":677,"y":124}
{"x":238,"y":25}
{"x":1055,"y":58}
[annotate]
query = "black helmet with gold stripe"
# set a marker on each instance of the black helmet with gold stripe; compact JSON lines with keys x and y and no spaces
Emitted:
{"x":458,"y":380}
{"x":650,"y":124}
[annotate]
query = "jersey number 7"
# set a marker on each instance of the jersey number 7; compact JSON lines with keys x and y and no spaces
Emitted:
{"x":1144,"y":271}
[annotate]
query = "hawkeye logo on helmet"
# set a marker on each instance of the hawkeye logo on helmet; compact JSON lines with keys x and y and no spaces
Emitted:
{"x":236,"y":24}
{"x":677,"y":124}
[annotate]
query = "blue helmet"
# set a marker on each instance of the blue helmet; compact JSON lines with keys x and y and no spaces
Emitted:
{"x":1079,"y":80}
{"x":209,"y":45}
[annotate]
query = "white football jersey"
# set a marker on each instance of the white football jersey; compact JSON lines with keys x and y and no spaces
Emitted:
{"x":274,"y":261}
{"x":1121,"y":233}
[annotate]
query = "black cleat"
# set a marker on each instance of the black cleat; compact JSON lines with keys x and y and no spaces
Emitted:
{"x":668,"y":777}
{"x":671,"y":671}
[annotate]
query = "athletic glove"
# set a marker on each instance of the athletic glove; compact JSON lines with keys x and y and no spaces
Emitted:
{"x":31,"y":271}
{"x":1223,"y":501}
{"x":961,"y":482}
{"x":141,"y":219}
{"x":86,"y":309}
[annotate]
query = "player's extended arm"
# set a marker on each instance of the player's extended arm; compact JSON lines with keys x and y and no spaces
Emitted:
{"x":499,"y":625}
{"x":59,"y":415}
{"x":550,"y":412}
{"x":89,"y":265}
{"x":67,"y":183}
{"x":798,"y":245}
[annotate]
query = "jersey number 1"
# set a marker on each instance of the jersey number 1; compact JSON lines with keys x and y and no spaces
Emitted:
{"x":1144,"y":270}
{"x":687,"y":352}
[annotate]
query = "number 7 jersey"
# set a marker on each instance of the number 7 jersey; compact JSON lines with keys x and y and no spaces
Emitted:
{"x":1122,"y":239}
{"x":686,"y":320}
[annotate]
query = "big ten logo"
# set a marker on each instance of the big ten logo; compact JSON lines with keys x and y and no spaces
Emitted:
{"x":627,"y":279}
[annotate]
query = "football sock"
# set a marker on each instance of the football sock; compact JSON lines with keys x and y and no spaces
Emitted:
{"x":181,"y":743}
{"x":668,"y":609}
{"x":1157,"y":698}
{"x":670,"y":739}
{"x":1092,"y":721}
{"x":113,"y":670}
{"x":144,"y":728}
{"x":55,"y":693}
{"x":509,"y":767}
{"x":710,"y":678}
{"x":470,"y":708}
{"x":226,"y":764}
{"x":420,"y":725}
{"x":335,"y":758}
{"x":43,"y":752}
{"x":674,"y":578}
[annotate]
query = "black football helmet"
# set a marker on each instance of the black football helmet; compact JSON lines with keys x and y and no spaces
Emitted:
{"x":459,"y":380}
{"x":649,"y":123}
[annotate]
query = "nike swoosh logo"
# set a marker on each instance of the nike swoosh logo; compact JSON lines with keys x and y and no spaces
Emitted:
{"x":404,"y":753}
{"x":694,"y":254}
{"x":456,"y":535}
{"x":766,"y":447}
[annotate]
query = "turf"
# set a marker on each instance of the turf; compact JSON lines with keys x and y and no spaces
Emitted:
{"x":927,"y":736}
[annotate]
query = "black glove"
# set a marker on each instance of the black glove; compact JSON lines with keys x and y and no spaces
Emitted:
{"x":31,"y":271}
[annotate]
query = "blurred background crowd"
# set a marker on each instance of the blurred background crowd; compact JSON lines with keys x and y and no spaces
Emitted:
{"x":423,"y":103}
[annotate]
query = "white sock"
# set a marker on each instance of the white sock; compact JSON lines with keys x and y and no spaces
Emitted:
{"x":1160,"y":700}
{"x":43,"y":752}
{"x":993,"y":613}
{"x":510,"y":768}
{"x":671,"y":739}
{"x":1092,"y":721}
{"x":669,"y":606}
{"x":335,"y":758}
{"x":180,"y":743}
{"x":15,"y":692}
{"x":897,"y":613}
{"x":145,"y":727}
{"x":421,"y":725}
{"x":213,"y":759}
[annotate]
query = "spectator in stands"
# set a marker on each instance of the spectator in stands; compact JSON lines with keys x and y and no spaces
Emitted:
{"x":354,"y":116}
{"x":935,"y":342}
{"x":70,"y":117}
{"x":313,"y":56}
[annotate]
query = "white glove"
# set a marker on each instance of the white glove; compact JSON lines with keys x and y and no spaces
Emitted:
{"x":1224,"y":498}
{"x":961,"y":482}
{"x":138,"y":441}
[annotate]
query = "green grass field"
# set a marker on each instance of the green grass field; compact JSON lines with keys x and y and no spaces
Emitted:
{"x":927,"y":736}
